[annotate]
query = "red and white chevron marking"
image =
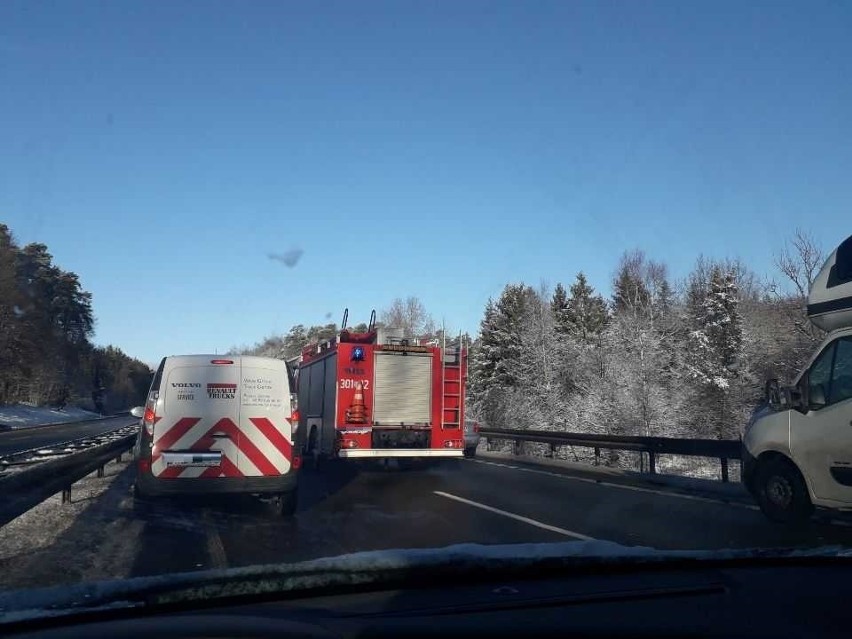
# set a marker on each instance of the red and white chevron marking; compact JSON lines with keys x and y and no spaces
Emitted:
{"x":258,"y":449}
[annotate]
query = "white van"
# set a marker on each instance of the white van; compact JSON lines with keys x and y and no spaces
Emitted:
{"x":219,"y":424}
{"x":797,"y":450}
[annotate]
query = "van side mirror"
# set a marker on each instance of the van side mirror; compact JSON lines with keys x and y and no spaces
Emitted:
{"x":137,"y":411}
{"x":773,"y":393}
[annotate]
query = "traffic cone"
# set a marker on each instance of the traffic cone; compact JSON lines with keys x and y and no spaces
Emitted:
{"x":357,"y":413}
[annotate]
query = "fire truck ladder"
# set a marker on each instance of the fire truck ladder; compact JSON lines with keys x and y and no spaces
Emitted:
{"x":452,"y":380}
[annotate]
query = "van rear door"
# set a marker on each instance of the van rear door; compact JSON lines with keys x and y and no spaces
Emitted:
{"x":267,"y":435}
{"x":197,"y":433}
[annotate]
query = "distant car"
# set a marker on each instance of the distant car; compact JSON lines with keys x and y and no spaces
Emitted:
{"x":215,"y":424}
{"x":471,"y":437}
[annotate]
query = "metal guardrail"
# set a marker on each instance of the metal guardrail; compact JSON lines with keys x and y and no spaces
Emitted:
{"x":39,"y":454}
{"x":22,"y":490}
{"x":722,"y":449}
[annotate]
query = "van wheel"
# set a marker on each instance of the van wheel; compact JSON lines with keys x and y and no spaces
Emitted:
{"x":141,"y":503}
{"x":782,"y":493}
{"x":470,"y":451}
{"x":285,"y":503}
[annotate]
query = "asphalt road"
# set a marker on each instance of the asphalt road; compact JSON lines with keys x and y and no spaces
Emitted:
{"x":344,"y":509}
{"x":25,"y":438}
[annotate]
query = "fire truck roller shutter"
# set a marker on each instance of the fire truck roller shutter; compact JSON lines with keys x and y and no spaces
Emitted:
{"x":403,"y":388}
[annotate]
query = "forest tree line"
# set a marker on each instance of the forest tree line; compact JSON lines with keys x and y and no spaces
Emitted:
{"x":655,"y":358}
{"x":46,"y":324}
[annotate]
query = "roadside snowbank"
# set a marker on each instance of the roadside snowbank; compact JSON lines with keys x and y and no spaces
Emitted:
{"x":23,"y":416}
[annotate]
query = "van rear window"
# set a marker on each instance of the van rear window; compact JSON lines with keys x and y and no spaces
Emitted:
{"x":841,"y":271}
{"x":158,"y":376}
{"x":291,"y":377}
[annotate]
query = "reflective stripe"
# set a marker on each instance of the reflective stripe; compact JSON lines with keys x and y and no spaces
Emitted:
{"x":270,"y":441}
{"x":258,"y":449}
{"x":166,"y":436}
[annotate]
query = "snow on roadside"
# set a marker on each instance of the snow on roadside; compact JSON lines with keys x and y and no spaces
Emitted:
{"x":23,"y":416}
{"x":43,"y":547}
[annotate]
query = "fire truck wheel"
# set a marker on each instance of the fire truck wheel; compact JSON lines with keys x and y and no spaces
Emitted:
{"x":312,"y":452}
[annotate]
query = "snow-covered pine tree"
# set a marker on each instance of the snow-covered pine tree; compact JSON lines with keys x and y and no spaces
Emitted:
{"x":484,"y":356}
{"x":585,"y":313}
{"x":496,"y":368}
{"x":558,"y":306}
{"x":511,"y":313}
{"x":716,"y":342}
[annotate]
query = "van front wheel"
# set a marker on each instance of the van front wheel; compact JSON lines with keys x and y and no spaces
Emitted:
{"x":782,"y":493}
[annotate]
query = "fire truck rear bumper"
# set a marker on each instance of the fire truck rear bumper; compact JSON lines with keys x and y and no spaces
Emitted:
{"x":400,"y":452}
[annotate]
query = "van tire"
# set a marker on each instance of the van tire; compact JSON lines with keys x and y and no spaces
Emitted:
{"x":286,"y":503}
{"x":782,"y":493}
{"x":141,"y":502}
{"x":470,"y":451}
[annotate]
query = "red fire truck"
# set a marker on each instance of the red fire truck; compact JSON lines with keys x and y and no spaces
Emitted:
{"x":380,"y":395}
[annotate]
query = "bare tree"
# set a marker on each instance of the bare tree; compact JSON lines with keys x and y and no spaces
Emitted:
{"x":409,"y":314}
{"x":800,"y":260}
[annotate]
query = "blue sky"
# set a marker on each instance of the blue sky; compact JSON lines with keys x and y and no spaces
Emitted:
{"x":438,"y":149}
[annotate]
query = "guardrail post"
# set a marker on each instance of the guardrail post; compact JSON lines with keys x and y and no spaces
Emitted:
{"x":66,"y":495}
{"x":652,"y":462}
{"x":553,"y":450}
{"x":118,"y":459}
{"x":516,"y":448}
{"x":100,"y":471}
{"x":724,"y":461}
{"x":597,"y":456}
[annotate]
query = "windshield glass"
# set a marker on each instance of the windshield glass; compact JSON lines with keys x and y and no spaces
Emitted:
{"x":282,"y":281}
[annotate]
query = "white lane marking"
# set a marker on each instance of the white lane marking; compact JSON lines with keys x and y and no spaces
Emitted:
{"x":637,"y":489}
{"x":526,"y":520}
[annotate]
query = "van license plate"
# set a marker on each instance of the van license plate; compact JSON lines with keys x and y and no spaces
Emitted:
{"x":189,"y":459}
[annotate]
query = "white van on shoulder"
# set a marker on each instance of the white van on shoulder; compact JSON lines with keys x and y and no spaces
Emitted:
{"x":219,"y":424}
{"x":797,"y":450}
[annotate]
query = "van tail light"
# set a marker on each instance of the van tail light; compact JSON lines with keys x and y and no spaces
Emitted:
{"x":149,"y":419}
{"x":221,"y":361}
{"x":297,"y":462}
{"x":144,"y":465}
{"x":294,"y":420}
